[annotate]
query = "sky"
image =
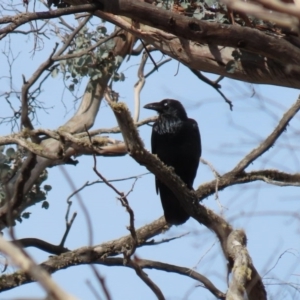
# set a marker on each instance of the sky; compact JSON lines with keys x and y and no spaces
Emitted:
{"x":267,"y":213}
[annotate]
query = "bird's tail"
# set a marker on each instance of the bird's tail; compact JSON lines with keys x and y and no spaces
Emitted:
{"x":174,"y":212}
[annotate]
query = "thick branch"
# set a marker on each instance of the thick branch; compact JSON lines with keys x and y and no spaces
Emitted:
{"x":210,"y":33}
{"x":231,"y":62}
{"x":87,"y":255}
{"x":83,"y":119}
{"x":236,"y":52}
{"x":244,"y":274}
{"x":187,"y":198}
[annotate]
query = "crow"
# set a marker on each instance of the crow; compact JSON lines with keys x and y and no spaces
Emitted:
{"x":176,"y":141}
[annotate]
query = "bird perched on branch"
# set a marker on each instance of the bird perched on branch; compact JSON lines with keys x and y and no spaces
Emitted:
{"x":176,"y":141}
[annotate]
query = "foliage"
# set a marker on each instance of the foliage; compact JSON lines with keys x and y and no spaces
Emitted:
{"x":92,"y":64}
{"x":11,"y":161}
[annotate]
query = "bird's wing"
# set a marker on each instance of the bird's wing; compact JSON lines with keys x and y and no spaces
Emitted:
{"x":192,"y":152}
{"x":154,"y":137}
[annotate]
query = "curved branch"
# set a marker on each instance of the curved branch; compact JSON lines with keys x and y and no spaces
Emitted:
{"x":230,"y":61}
{"x":87,"y":255}
{"x":100,"y":253}
{"x":269,"y":176}
{"x":40,"y":244}
{"x":23,"y":18}
{"x":187,"y":198}
{"x":150,"y":264}
{"x":50,"y":152}
{"x":270,"y":140}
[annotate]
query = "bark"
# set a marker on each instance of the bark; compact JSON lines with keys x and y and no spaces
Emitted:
{"x":233,"y":51}
{"x":189,"y":201}
{"x":82,"y":120}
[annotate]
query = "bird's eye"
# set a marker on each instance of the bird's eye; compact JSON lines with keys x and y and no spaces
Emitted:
{"x":165,"y":104}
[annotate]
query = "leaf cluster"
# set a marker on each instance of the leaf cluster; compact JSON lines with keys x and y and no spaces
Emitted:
{"x":94,"y":63}
{"x":11,"y":161}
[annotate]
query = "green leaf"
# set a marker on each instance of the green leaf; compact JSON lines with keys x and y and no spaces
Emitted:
{"x":118,"y":60}
{"x":110,"y":44}
{"x":102,"y":29}
{"x":4,"y":171}
{"x":3,"y":158}
{"x":11,"y":153}
{"x":26,"y":215}
{"x":231,"y":66}
{"x":71,"y":87}
{"x":54,"y":72}
{"x":95,"y":77}
{"x":121,"y":76}
{"x":81,"y":61}
{"x":47,"y":187}
{"x":45,"y":205}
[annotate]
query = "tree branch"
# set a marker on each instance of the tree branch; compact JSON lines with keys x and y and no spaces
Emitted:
{"x":186,"y":197}
{"x":270,"y":140}
{"x":25,"y":263}
{"x":236,"y":61}
{"x":23,"y":18}
{"x":87,"y":255}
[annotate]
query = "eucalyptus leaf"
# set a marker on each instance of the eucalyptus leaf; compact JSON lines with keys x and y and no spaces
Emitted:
{"x":45,"y":205}
{"x":26,"y":215}
{"x":11,"y":153}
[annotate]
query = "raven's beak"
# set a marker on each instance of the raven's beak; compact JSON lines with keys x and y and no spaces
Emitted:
{"x":154,"y":106}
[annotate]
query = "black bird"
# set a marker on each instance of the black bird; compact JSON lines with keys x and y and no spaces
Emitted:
{"x":176,"y":141}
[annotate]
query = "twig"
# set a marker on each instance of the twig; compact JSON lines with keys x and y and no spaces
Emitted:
{"x":139,"y":86}
{"x":93,"y":290}
{"x":163,"y":241}
{"x":68,"y":227}
{"x":158,"y":66}
{"x":214,"y":84}
{"x":217,"y":176}
{"x":156,"y":290}
{"x":81,"y":203}
{"x":58,"y":56}
{"x":40,"y":244}
{"x":22,"y":18}
{"x":149,"y":54}
{"x":150,"y":264}
{"x":71,"y":36}
{"x":116,"y":129}
{"x":28,"y":84}
{"x":125,"y":204}
{"x":101,"y":280}
{"x":278,"y":259}
{"x":270,"y":140}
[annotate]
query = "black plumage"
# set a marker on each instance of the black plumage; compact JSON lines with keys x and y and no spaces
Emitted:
{"x":176,"y":141}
